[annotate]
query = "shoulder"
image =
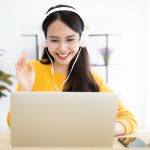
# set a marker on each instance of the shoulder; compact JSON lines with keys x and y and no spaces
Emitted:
{"x":99,"y":80}
{"x":97,"y":77}
{"x":37,"y":64}
{"x":39,"y":67}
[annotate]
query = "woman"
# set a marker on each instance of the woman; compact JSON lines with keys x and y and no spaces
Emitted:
{"x":65,"y":63}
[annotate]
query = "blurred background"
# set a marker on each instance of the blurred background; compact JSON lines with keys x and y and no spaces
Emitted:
{"x":122,"y":27}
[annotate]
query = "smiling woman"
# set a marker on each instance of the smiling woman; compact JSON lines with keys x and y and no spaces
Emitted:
{"x":62,"y":43}
{"x":64,"y":66}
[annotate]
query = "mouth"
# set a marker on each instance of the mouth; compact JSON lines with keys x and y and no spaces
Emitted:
{"x":63,"y":56}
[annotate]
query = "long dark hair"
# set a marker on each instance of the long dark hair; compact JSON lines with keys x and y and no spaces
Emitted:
{"x":81,"y":78}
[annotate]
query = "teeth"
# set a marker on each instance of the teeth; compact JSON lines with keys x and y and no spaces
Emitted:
{"x":64,"y":55}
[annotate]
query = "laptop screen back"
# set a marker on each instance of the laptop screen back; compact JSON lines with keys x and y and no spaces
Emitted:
{"x":63,"y":119}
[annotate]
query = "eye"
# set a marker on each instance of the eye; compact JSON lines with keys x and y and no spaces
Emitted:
{"x":69,"y":40}
{"x":54,"y":41}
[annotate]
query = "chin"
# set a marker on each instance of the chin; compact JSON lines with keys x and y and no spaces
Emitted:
{"x":64,"y":63}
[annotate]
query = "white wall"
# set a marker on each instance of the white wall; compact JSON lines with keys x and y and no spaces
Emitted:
{"x":147,"y":66}
{"x":126,"y":17}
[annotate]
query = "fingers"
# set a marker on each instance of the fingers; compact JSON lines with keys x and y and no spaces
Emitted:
{"x":22,"y":61}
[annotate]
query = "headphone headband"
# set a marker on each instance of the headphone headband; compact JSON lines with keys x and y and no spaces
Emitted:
{"x":63,"y":9}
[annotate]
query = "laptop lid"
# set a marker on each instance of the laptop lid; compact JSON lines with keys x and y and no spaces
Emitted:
{"x":63,"y":119}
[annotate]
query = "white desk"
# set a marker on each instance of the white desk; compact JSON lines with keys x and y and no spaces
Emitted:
{"x":5,"y":144}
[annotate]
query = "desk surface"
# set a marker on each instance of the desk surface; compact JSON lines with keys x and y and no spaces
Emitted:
{"x":5,"y":144}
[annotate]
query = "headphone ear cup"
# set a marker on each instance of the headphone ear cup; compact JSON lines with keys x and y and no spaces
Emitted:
{"x":44,"y":40}
{"x":84,"y":37}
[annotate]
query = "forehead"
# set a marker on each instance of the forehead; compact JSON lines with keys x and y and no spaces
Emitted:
{"x":59,"y":28}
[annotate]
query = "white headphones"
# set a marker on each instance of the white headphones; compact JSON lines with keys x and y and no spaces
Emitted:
{"x":85,"y":32}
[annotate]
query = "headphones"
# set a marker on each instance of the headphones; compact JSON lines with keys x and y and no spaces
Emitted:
{"x":85,"y":32}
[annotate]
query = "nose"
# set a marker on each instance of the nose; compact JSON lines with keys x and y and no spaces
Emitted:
{"x":63,"y":46}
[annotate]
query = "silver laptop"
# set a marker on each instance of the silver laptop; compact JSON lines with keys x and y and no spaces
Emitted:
{"x":63,"y":119}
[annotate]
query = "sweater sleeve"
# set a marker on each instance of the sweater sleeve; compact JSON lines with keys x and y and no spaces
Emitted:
{"x":8,"y":119}
{"x":124,"y":116}
{"x":8,"y":114}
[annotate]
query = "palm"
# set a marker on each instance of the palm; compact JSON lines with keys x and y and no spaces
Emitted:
{"x":25,"y":73}
{"x":26,"y":77}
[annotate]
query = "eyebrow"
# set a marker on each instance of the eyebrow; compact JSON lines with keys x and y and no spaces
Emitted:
{"x":66,"y":36}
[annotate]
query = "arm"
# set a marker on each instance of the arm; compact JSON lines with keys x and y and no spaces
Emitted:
{"x":125,"y":121}
{"x":8,"y":119}
{"x":126,"y":118}
{"x":25,"y":75}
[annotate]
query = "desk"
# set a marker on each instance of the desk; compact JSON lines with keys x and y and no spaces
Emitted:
{"x":5,"y":144}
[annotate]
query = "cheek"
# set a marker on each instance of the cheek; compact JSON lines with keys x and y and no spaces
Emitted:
{"x":75,"y":50}
{"x":51,"y":50}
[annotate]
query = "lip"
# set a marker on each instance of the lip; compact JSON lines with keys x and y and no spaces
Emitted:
{"x":63,"y":56}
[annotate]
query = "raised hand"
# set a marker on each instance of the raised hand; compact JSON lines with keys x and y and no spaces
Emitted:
{"x":25,"y":73}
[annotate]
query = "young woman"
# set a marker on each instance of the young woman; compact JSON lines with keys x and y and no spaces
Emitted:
{"x":65,"y":63}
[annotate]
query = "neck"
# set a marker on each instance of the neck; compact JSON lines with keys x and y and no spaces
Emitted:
{"x":63,"y":69}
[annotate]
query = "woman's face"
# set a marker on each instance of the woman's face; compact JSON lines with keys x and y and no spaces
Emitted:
{"x":62,"y":42}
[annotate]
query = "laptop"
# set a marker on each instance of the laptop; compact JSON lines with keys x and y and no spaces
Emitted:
{"x":62,"y":119}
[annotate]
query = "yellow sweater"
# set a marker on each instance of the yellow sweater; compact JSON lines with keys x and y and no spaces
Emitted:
{"x":43,"y":82}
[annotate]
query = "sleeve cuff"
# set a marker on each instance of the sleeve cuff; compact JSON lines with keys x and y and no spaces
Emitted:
{"x":127,"y":125}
